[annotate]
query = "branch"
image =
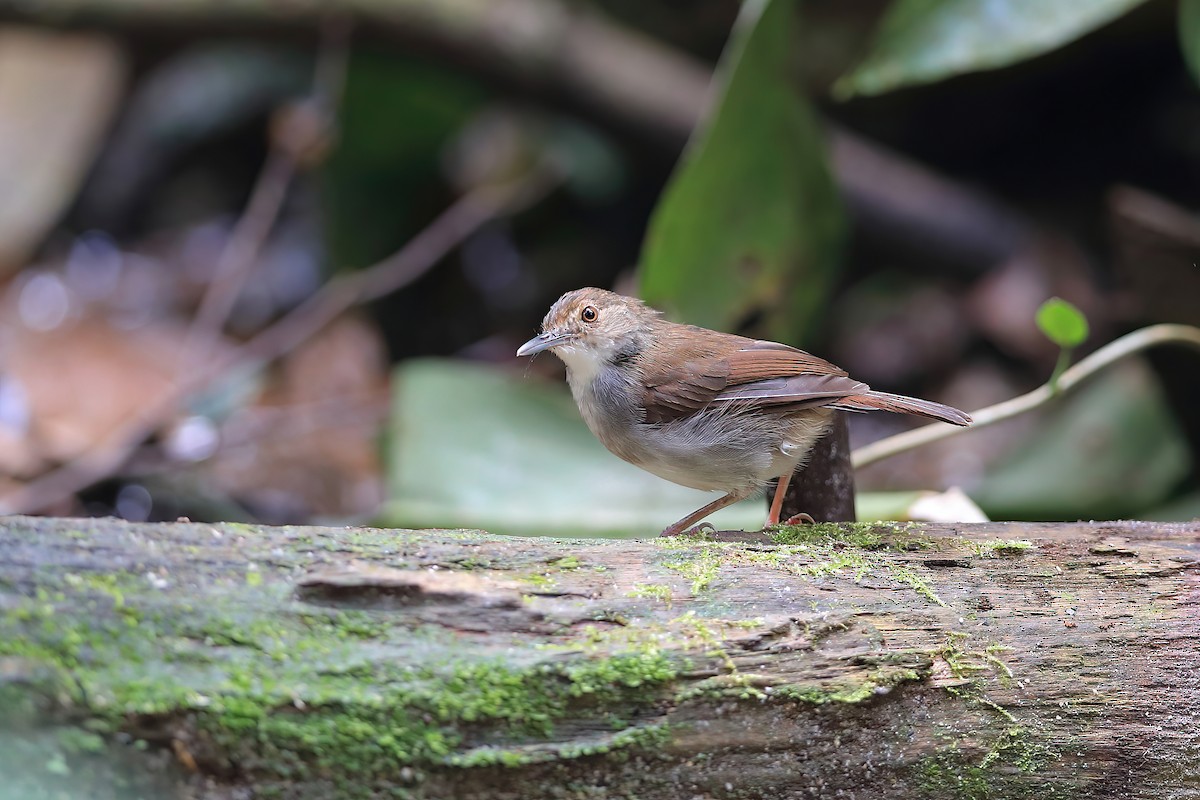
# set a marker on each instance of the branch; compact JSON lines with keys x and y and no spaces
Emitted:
{"x":398,"y":270}
{"x":621,"y":76}
{"x":996,"y":660}
{"x":296,"y":133}
{"x":1112,"y":352}
{"x":425,"y":250}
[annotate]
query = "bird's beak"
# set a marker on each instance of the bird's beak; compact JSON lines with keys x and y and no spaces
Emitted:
{"x":544,"y":341}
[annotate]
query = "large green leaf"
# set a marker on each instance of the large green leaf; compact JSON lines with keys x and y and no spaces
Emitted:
{"x":922,"y":41}
{"x":1189,"y":34}
{"x":384,"y":179}
{"x":475,"y":447}
{"x":750,"y":223}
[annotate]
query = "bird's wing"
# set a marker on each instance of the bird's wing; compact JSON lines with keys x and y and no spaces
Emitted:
{"x":732,"y":370}
{"x":768,"y":373}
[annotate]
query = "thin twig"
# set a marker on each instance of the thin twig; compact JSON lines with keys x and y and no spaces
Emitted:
{"x":239,"y":256}
{"x":422,"y":252}
{"x":454,"y":225}
{"x":250,"y":234}
{"x":286,"y":423}
{"x":1112,"y":352}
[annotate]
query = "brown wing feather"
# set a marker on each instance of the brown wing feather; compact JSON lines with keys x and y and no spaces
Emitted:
{"x":758,"y":361}
{"x":723,"y":368}
{"x":899,"y":404}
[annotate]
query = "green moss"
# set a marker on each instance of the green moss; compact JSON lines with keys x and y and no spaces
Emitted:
{"x":1014,"y":749}
{"x":824,"y":558}
{"x":875,"y":683}
{"x":944,"y":775}
{"x":281,"y":696}
{"x":655,"y":591}
{"x":77,"y":740}
{"x":1002,"y":771}
{"x":421,"y":721}
{"x":537,"y":580}
{"x":544,"y":579}
{"x":617,"y":745}
{"x":810,"y":551}
{"x":1015,"y":745}
{"x":969,"y":664}
{"x":700,"y":566}
{"x":864,"y":535}
{"x":993,"y":548}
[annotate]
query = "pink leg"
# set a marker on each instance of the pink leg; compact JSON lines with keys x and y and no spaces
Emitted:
{"x":700,"y":513}
{"x":777,"y":501}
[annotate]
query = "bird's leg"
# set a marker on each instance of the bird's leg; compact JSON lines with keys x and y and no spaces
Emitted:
{"x":777,"y":501}
{"x":777,"y":506}
{"x":716,"y":505}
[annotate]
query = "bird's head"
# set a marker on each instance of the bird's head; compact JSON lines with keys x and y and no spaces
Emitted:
{"x":589,"y":328}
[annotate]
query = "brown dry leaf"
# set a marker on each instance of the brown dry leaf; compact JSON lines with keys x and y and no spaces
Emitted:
{"x":309,"y":446}
{"x":83,"y":379}
{"x":57,"y":95}
{"x":20,"y":457}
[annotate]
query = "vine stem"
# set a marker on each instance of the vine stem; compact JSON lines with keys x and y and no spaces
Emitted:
{"x":1127,"y":345}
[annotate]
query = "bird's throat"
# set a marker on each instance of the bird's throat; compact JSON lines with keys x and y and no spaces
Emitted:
{"x":583,"y":365}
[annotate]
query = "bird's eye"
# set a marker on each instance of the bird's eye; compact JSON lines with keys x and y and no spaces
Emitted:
{"x":589,"y":314}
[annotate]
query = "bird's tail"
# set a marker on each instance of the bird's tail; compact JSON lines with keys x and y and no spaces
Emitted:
{"x":882,"y":401}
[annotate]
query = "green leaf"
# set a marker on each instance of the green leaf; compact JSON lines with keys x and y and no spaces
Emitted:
{"x":396,"y":117}
{"x":1189,"y":34}
{"x":923,"y":41}
{"x":475,"y":447}
{"x":1063,"y":323}
{"x":750,"y":223}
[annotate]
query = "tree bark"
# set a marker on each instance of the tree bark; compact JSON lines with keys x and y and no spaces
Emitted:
{"x":880,"y":661}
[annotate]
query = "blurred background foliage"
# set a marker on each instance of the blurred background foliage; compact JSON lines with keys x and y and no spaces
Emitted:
{"x":272,"y":263}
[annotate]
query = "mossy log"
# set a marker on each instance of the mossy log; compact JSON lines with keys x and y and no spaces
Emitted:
{"x":869,"y":661}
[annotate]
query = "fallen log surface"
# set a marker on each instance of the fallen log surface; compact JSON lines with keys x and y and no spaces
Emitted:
{"x":859,"y":661}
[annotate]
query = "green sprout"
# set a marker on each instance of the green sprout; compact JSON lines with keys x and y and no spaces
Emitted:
{"x":1067,"y":327}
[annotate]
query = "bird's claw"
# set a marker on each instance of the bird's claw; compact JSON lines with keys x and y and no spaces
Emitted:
{"x":796,"y":519}
{"x":695,"y":530}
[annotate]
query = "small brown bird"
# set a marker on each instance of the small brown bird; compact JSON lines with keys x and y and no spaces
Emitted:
{"x":704,"y":409}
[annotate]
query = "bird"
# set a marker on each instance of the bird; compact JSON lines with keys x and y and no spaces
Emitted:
{"x":709,"y":410}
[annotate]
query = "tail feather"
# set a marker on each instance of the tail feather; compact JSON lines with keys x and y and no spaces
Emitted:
{"x":882,"y":401}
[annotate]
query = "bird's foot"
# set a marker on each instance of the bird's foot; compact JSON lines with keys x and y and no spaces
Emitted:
{"x":795,"y":519}
{"x":698,"y":530}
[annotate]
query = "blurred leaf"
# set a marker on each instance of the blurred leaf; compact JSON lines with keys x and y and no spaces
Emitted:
{"x":1189,"y":34}
{"x":595,"y":168}
{"x":384,"y":180}
{"x":1063,"y":323}
{"x":501,"y":144}
{"x":952,"y":505}
{"x":1181,"y":509}
{"x":923,"y":41}
{"x":471,"y":446}
{"x":751,"y":221}
{"x":191,"y":98}
{"x":57,"y":95}
{"x":1110,"y":451}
